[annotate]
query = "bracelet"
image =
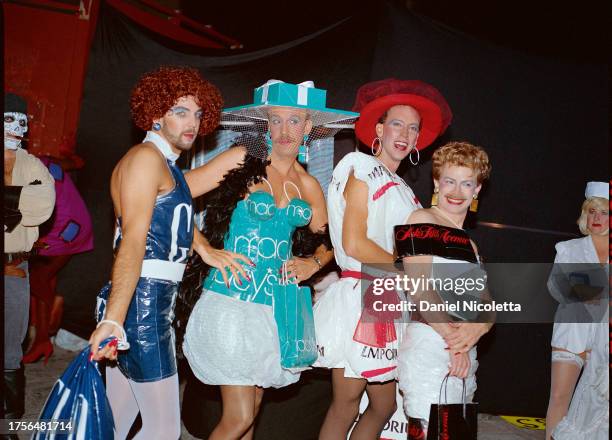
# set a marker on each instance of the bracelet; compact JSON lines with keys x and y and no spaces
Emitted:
{"x":316,"y":259}
{"x":122,"y":344}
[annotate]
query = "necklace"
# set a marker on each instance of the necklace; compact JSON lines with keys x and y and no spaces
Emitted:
{"x":447,"y":217}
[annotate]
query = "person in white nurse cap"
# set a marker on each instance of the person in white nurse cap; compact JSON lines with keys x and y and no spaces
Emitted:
{"x":580,"y":346}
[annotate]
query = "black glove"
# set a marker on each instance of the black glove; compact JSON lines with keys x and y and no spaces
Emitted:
{"x":12,"y":215}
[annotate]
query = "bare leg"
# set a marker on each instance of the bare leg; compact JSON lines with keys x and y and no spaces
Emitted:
{"x":259,"y":392}
{"x":565,"y":369}
{"x":238,"y":412}
{"x":382,"y":404}
{"x":344,"y":407}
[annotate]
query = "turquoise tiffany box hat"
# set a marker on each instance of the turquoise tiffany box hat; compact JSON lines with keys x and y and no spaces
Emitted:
{"x":275,"y":93}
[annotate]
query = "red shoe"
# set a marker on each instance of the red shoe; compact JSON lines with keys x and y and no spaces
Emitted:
{"x":38,"y":350}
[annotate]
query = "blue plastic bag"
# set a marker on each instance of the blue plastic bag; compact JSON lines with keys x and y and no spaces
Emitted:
{"x":295,"y":323}
{"x":79,"y":396}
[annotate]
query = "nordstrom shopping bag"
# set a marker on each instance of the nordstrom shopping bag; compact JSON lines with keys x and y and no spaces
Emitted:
{"x":78,"y":398}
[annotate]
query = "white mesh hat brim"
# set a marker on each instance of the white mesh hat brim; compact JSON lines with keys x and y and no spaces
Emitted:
{"x":318,"y":117}
{"x":252,"y":125}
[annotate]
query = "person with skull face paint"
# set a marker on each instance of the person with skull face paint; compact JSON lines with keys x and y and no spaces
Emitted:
{"x":154,"y":234}
{"x":29,"y":197}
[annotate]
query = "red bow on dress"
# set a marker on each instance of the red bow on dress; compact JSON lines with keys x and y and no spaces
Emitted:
{"x":375,"y":328}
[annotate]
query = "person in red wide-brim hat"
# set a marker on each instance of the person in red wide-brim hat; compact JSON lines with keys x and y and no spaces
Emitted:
{"x":374,"y":100}
{"x":397,"y":119}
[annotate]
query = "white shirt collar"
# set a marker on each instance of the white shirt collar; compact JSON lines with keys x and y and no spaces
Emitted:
{"x":162,"y":145}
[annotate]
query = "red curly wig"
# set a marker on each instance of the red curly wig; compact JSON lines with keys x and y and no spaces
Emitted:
{"x":156,"y":92}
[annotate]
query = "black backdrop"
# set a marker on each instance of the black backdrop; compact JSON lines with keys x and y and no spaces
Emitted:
{"x":543,"y":122}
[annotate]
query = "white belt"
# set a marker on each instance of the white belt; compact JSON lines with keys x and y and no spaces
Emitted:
{"x":162,"y":270}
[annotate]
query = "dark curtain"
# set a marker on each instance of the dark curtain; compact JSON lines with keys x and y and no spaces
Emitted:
{"x":543,"y":122}
{"x":337,"y":59}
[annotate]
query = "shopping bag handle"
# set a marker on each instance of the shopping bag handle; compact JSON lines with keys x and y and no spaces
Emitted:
{"x":445,"y":386}
{"x":101,"y":345}
{"x":123,"y":344}
{"x":105,"y":342}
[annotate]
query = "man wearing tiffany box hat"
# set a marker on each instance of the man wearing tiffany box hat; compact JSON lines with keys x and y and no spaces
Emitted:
{"x":259,"y":196}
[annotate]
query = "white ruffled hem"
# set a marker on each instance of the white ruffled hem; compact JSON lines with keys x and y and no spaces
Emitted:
{"x":574,"y":337}
{"x":233,"y":342}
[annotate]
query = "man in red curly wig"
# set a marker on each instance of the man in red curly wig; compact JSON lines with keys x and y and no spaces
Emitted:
{"x":154,"y":234}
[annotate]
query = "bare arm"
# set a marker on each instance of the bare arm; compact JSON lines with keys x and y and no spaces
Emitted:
{"x":319,"y":218}
{"x":469,"y":333}
{"x":355,"y":240}
{"x":460,"y":337}
{"x":139,"y":178}
{"x":220,"y":258}
{"x":204,"y":179}
{"x":303,"y":268}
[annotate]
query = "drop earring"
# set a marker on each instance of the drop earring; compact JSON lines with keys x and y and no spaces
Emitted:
{"x":474,"y":204}
{"x":303,"y":151}
{"x":268,"y":140}
{"x":434,"y":197}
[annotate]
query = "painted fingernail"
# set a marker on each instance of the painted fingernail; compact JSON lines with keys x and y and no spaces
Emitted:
{"x":248,"y":278}
{"x":90,"y":356}
{"x":227,"y":285}
{"x":239,"y":282}
{"x":251,"y":263}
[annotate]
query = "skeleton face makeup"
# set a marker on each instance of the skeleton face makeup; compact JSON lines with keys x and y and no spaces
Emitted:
{"x":15,"y":127}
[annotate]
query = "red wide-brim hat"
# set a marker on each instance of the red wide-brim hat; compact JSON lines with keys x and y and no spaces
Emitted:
{"x":375,"y":98}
